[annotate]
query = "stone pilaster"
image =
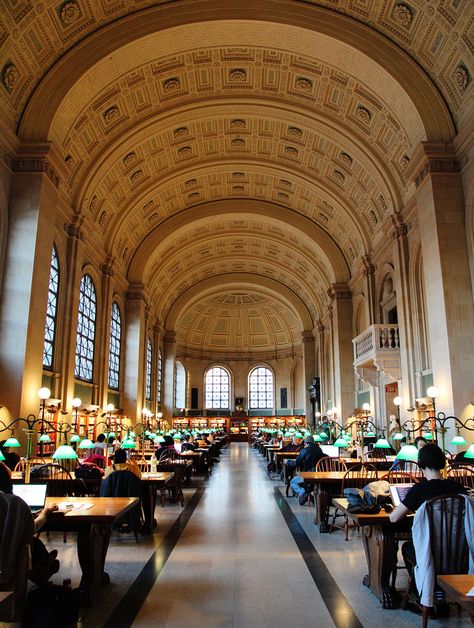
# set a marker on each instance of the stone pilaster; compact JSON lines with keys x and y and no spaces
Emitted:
{"x":369,"y":275}
{"x":169,"y":357}
{"x":135,"y":341}
{"x":103,"y":339}
{"x":309,"y":371}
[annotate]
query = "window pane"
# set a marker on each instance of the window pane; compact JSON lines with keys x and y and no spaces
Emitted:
{"x":86,"y":330}
{"x":217,"y":388}
{"x":51,"y":308}
{"x":149,"y":362}
{"x":160,"y":377}
{"x":114,"y":347}
{"x":179,"y":386}
{"x":261,"y":388}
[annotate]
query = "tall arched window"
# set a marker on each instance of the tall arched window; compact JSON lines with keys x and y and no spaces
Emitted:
{"x":160,"y":377}
{"x":149,"y":362}
{"x":114,"y":346}
{"x":86,"y":330}
{"x":51,"y":309}
{"x":261,"y":388}
{"x":217,"y":388}
{"x":179,"y":386}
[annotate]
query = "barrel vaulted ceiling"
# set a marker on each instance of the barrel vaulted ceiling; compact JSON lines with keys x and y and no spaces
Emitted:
{"x":216,"y":149}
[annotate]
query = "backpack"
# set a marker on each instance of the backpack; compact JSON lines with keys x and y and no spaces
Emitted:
{"x":51,"y":606}
{"x":87,"y":470}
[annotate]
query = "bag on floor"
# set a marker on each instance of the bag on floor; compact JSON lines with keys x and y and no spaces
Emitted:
{"x":51,"y":606}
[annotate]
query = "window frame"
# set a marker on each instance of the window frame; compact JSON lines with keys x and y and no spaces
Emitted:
{"x":267,"y":372}
{"x":53,"y":318}
{"x":148,"y":369}
{"x":217,"y":376}
{"x":84,"y":317}
{"x":115,"y":339}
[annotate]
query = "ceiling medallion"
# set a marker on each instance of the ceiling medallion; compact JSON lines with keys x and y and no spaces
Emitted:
{"x":111,"y":114}
{"x":181,"y":131}
{"x":282,"y":196}
{"x":148,"y":206}
{"x":237,"y":75}
{"x":405,"y":160}
{"x":295,"y":131}
{"x":238,"y":142}
{"x":337,"y":174}
{"x":238,"y":175}
{"x":93,"y":204}
{"x":402,"y":14}
{"x":185,"y":150}
{"x":136,"y":176}
{"x":238,"y":188}
{"x":237,"y":124}
{"x":69,"y":161}
{"x":363,"y":113}
{"x":69,"y":13}
{"x":129,"y":158}
{"x":193,"y":196}
{"x":171,"y":84}
{"x":461,"y":77}
{"x":10,"y":76}
{"x":285,"y":184}
{"x":305,"y":84}
{"x":346,"y":158}
{"x":190,"y":183}
{"x":290,"y":150}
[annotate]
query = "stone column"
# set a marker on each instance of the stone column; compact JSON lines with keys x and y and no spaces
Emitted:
{"x":341,"y":298}
{"x":134,"y":352}
{"x":450,"y":308}
{"x":309,"y":371}
{"x":319,"y":333}
{"x":401,"y":277}
{"x":369,"y":274}
{"x":103,"y":338}
{"x":169,"y":358}
{"x":32,"y":223}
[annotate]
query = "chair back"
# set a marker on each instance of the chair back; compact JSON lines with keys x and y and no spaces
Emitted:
{"x":331,"y":464}
{"x":376,"y":454}
{"x":358,"y":476}
{"x":168,"y":454}
{"x":447,"y":536}
{"x":21,"y":464}
{"x":399,"y":477}
{"x":124,"y":484}
{"x":410,"y":467}
{"x":50,"y":471}
{"x":462,"y":474}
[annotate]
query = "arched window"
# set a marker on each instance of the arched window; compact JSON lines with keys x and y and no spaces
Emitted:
{"x":149,"y":362}
{"x":86,"y":330}
{"x":261,"y":388}
{"x":217,"y":388}
{"x":51,"y":309}
{"x":160,"y":377}
{"x":179,"y":386}
{"x":114,"y":347}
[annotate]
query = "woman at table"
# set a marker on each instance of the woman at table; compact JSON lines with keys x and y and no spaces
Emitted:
{"x":122,"y":463}
{"x":11,"y":457}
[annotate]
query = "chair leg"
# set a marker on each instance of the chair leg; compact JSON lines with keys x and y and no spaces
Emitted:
{"x":331,"y":527}
{"x":426,"y":614}
{"x":346,"y":527}
{"x":136,"y":535}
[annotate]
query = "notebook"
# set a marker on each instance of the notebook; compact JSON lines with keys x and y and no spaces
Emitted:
{"x":398,"y":492}
{"x":33,"y":494}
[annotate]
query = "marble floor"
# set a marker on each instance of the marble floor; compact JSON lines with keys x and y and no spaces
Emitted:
{"x":229,"y":559}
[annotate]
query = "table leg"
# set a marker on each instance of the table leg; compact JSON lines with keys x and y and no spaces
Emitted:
{"x":321,"y":501}
{"x":148,"y":505}
{"x":92,"y":545}
{"x":379,"y":547}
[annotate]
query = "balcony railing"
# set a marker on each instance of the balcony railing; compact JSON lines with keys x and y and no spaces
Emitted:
{"x":375,"y":340}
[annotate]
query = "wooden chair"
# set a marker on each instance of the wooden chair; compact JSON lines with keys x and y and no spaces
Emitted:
{"x":410,"y":467}
{"x":21,"y":465}
{"x":462,"y":474}
{"x":331,"y":464}
{"x":175,"y":485}
{"x":447,"y":541}
{"x":357,"y":476}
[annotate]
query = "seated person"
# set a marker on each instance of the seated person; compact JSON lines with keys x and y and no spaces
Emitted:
{"x":188,"y":443}
{"x":168,"y":443}
{"x":432,"y":460}
{"x":100,"y":441}
{"x":294,"y":445}
{"x":96,"y":456}
{"x":306,"y":461}
{"x":122,"y":463}
{"x":11,"y":457}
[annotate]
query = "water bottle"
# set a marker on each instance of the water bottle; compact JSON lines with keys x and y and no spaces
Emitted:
{"x":153,"y":464}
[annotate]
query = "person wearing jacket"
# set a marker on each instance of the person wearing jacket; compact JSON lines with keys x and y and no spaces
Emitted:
{"x":306,"y":461}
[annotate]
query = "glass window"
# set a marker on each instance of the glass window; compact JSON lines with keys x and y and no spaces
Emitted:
{"x":114,"y":347}
{"x":160,"y":377}
{"x":51,"y":309}
{"x":217,"y":388}
{"x":86,"y":330}
{"x":179,"y":386}
{"x":149,"y":362}
{"x":261,"y":388}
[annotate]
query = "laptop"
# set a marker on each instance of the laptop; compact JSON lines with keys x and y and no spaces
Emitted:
{"x":33,"y":494}
{"x":398,"y":492}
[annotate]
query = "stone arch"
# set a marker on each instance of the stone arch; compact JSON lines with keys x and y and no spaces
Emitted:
{"x":36,"y":119}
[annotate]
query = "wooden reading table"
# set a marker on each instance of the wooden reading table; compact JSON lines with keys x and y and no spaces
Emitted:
{"x":326,"y":485}
{"x":456,"y":588}
{"x":378,"y":537}
{"x":93,"y":527}
{"x":152,"y":482}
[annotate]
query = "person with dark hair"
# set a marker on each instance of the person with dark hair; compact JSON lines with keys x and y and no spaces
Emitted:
{"x":306,"y":461}
{"x":122,"y":463}
{"x":11,"y":457}
{"x":188,"y":443}
{"x":100,"y":441}
{"x":420,"y":442}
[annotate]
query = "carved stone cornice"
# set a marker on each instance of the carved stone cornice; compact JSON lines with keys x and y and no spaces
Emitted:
{"x":136,"y":292}
{"x":38,"y":158}
{"x":369,"y":267}
{"x":170,"y":337}
{"x":401,"y":228}
{"x":320,"y":326}
{"x":107,"y":267}
{"x":74,"y":228}
{"x":339,"y":291}
{"x":307,"y":336}
{"x":432,"y":158}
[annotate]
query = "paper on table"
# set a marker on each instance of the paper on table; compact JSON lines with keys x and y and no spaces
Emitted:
{"x":66,"y":506}
{"x":470,"y":592}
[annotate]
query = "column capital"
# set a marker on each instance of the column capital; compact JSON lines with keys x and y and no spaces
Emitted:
{"x":401,"y":228}
{"x":339,"y":291}
{"x":319,"y":327}
{"x":307,"y":336}
{"x":369,"y":266}
{"x":136,"y":292}
{"x":39,"y":157}
{"x":107,"y":267}
{"x":74,"y":228}
{"x":432,"y":158}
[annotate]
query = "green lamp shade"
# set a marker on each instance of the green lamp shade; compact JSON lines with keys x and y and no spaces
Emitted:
{"x":292,"y":429}
{"x":110,"y":435}
{"x":323,"y":436}
{"x":348,"y":437}
{"x":75,"y":438}
{"x":86,"y":444}
{"x":129,"y":443}
{"x":151,"y":435}
{"x":408,"y":452}
{"x":287,"y":435}
{"x":2,"y":457}
{"x":160,"y":439}
{"x":64,"y":452}
{"x":298,"y":435}
{"x":459,"y":440}
{"x":44,"y":438}
{"x":370,"y":434}
{"x":317,"y":438}
{"x":427,"y":436}
{"x":11,"y":442}
{"x":177,"y":436}
{"x":382,"y":443}
{"x":398,"y":436}
{"x":340,"y":442}
{"x":132,"y":434}
{"x":470,"y":452}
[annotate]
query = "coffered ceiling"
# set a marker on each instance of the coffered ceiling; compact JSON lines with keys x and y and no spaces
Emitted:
{"x":206,"y":143}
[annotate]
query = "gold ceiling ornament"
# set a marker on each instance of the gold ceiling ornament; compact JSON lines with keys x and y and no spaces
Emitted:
{"x":70,"y":12}
{"x":305,"y":84}
{"x":10,"y":76}
{"x":172,"y":84}
{"x":237,"y":75}
{"x":129,"y":158}
{"x":112,"y":113}
{"x":363,"y":113}
{"x":402,"y":14}
{"x":461,"y":77}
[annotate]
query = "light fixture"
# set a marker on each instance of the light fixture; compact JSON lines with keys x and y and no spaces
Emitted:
{"x":340,"y":442}
{"x":110,"y":407}
{"x":129,"y":443}
{"x":11,"y":442}
{"x":371,"y":434}
{"x":459,"y":440}
{"x":409,"y":453}
{"x":398,"y":401}
{"x":64,"y":452}
{"x":398,"y":436}
{"x":470,"y":452}
{"x":86,"y":444}
{"x":323,"y":436}
{"x":76,"y":402}
{"x":75,"y":438}
{"x":382,"y":443}
{"x":44,"y":393}
{"x":2,"y":457}
{"x":427,"y":436}
{"x":366,"y":407}
{"x":432,"y":392}
{"x":317,"y":438}
{"x":44,"y":438}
